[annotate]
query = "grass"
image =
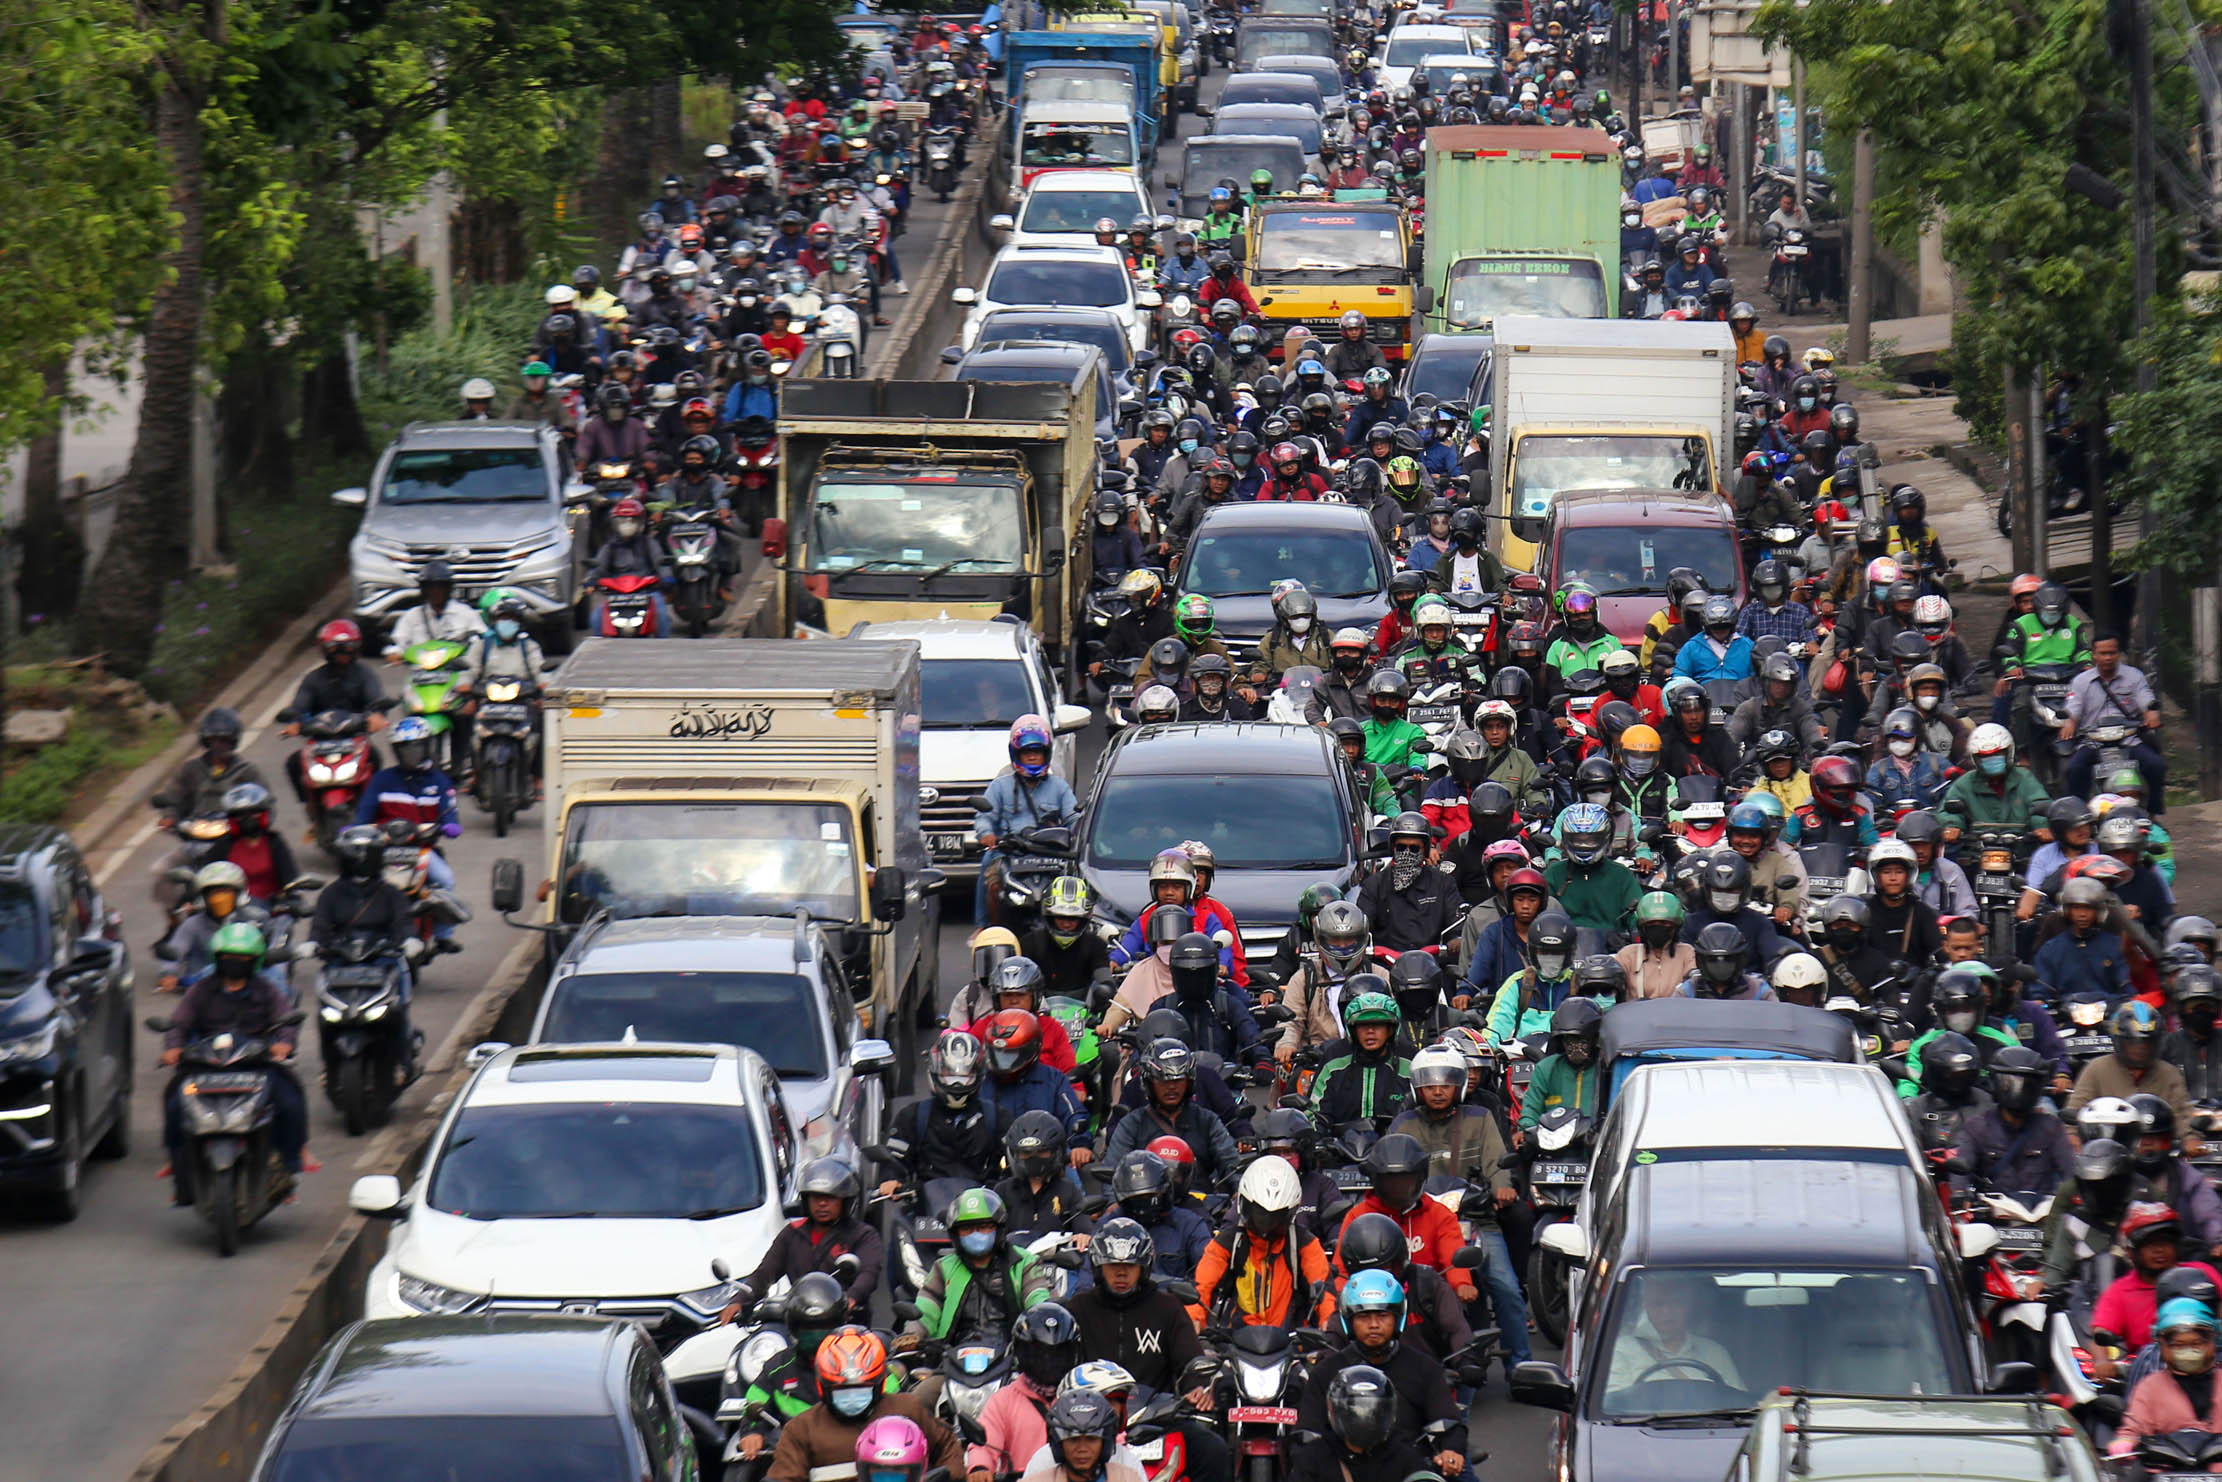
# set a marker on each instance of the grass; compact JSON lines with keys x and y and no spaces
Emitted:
{"x":105,"y":742}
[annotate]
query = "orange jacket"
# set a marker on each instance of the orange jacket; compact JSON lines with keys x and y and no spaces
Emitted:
{"x":1431,"y":1233}
{"x":1263,"y":1286}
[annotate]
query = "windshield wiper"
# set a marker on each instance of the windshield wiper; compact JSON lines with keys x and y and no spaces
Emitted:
{"x":1690,"y":1417}
{"x":895,"y":561}
{"x":1630,"y":592}
{"x":948,"y":566}
{"x":718,"y":1214}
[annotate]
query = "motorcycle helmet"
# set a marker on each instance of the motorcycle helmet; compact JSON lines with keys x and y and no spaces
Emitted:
{"x":1844,"y":921}
{"x":339,"y":638}
{"x":1361,"y":1406}
{"x":1585,"y":833}
{"x":1722,"y":954}
{"x":1575,"y":1028}
{"x":953,"y":1067}
{"x":236,"y":950}
{"x":1268,"y":1195}
{"x":1034,"y":1147}
{"x":1342,"y":936}
{"x":361,"y":850}
{"x":1124,"y":1239}
{"x":891,"y":1449}
{"x":1949,"y":1066}
{"x":1045,"y":1341}
{"x":1142,"y":1187}
{"x":1959,"y":1002}
{"x":852,"y":1365}
{"x":2019,"y":1076}
{"x":1551,"y":939}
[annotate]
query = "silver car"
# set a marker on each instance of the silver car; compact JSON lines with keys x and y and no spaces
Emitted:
{"x":492,"y":499}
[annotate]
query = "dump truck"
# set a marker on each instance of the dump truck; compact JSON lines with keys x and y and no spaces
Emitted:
{"x":1521,"y":221}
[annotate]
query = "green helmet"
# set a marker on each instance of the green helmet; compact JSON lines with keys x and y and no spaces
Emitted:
{"x":238,"y":939}
{"x":977,"y":1207}
{"x":1308,"y":904}
{"x":1481,"y":417}
{"x":2126,"y":779}
{"x":1772,"y":805}
{"x":1601,"y":99}
{"x":1370,"y":1008}
{"x":1261,"y":178}
{"x":1193,"y":616}
{"x":1659,"y":905}
{"x":1069,"y":899}
{"x":495,"y":597}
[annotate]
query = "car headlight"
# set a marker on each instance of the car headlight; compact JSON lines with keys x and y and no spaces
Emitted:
{"x":710,"y":1300}
{"x":430,"y":1296}
{"x":753,"y":1357}
{"x":384,"y":548}
{"x":36,"y":1045}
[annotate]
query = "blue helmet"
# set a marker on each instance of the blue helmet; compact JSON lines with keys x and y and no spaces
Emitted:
{"x":1030,"y":733}
{"x":1750,"y":817}
{"x":1372,"y":1291}
{"x":1585,"y":833}
{"x":412,"y":742}
{"x":1221,"y":193}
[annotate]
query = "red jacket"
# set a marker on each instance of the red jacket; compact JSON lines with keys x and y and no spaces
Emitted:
{"x":2126,"y":1308}
{"x":1213,"y":290}
{"x":1057,"y":1051}
{"x":1431,"y":1233}
{"x":1307,"y":488}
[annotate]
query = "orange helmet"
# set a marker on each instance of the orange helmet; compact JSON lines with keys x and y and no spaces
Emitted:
{"x":1014,"y":1040}
{"x":2026,"y":584}
{"x":851,"y":1357}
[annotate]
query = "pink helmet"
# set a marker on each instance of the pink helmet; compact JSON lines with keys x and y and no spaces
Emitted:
{"x":1511,"y":849}
{"x":889,"y":1444}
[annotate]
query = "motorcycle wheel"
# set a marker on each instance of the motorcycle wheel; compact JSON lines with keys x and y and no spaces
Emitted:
{"x":223,"y":1208}
{"x":351,"y":1090}
{"x":501,"y":797}
{"x":328,"y":826}
{"x":1547,"y":1294}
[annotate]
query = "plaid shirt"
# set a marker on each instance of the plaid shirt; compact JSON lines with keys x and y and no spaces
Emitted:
{"x":1792,"y":622}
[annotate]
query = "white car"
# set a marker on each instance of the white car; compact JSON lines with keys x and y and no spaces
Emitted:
{"x":1408,"y":45}
{"x":1061,"y":209}
{"x":1043,"y":277}
{"x":595,"y":1181}
{"x":975,"y":678}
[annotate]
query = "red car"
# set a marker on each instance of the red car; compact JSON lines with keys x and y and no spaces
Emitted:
{"x":1624,"y":542}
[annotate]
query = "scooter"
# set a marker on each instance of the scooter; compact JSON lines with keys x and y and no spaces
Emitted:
{"x":1557,"y":1160}
{"x":508,"y":725}
{"x":2012,"y":1241}
{"x":224,"y":1085}
{"x":2048,"y":686}
{"x":368,"y":1047}
{"x":840,"y":339}
{"x":1786,"y":281}
{"x":1996,"y":885}
{"x":941,"y":159}
{"x":436,"y":693}
{"x":691,"y":538}
{"x":336,"y":765}
{"x":628,"y":608}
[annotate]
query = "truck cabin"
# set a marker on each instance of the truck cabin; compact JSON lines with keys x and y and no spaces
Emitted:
{"x":1076,"y":136}
{"x":1216,"y":157}
{"x":1545,"y":463}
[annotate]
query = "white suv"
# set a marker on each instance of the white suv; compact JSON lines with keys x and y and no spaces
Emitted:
{"x":594,"y":1181}
{"x":1037,"y":277}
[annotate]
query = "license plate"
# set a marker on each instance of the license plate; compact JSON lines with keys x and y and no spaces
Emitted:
{"x":1994,"y":884}
{"x":1562,"y":1173}
{"x":1353,"y":1178}
{"x":1793,"y":252}
{"x":355,"y":975}
{"x":1433,"y":715}
{"x":1824,"y":884}
{"x":1263,"y":1414}
{"x":2090,"y":1044}
{"x":946,"y":846}
{"x":2020,"y":1237}
{"x":228,"y":1082}
{"x":2052,"y":694}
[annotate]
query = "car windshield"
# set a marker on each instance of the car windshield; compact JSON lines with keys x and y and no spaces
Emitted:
{"x":1252,"y":822}
{"x":710,"y":859}
{"x":774,"y":1014}
{"x":1331,"y":242}
{"x":1090,"y":285}
{"x":1633,"y":560}
{"x":1686,"y":1341}
{"x":1078,"y":85}
{"x":1205,"y":166}
{"x":1479,"y":72}
{"x":611,"y":1160}
{"x":1546,"y":464}
{"x":1483,"y":289}
{"x":1078,"y":210}
{"x":970,"y":527}
{"x":1409,"y":51}
{"x":1323,"y":9}
{"x":1275,"y":118}
{"x":436,"y":1448}
{"x":1443,"y":366}
{"x":1069,"y":145}
{"x":974,"y":694}
{"x":1304,"y":94}
{"x":464,"y":475}
{"x":1104,"y":334}
{"x":22,"y":932}
{"x":1259,"y":42}
{"x":1246,"y":563}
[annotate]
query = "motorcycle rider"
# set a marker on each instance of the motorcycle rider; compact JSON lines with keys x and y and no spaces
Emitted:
{"x":1835,"y":814}
{"x":262,"y":856}
{"x":1658,"y":960}
{"x":1722,"y":956}
{"x":2086,"y":955}
{"x":851,"y":1364}
{"x":1724,"y":898}
{"x":506,"y":650}
{"x":1410,"y":905}
{"x":1372,"y":1313}
{"x":1781,"y":704}
{"x":1390,"y":739}
{"x":1378,"y":403}
{"x":235,"y":998}
{"x":340,"y":683}
{"x":954,"y":1132}
{"x":982,"y":1283}
{"x":1027,"y":796}
{"x":2015,"y":1146}
{"x":1900,"y":922}
{"x":437,"y":618}
{"x":1721,"y":652}
{"x":1142,"y":1192}
{"x":1361,"y":1440}
{"x":2193,"y":1047}
{"x":1905,"y":772}
{"x":1045,"y":1347}
{"x":788,"y":1385}
{"x":2134,"y":1068}
{"x":198,"y":786}
{"x":2111,"y":692}
{"x":1594,"y":889}
{"x":1568,"y":1073}
{"x":1018,"y":1081}
{"x":1369,"y":1079}
{"x":1147,"y":620}
{"x":1352,"y":354}
{"x":830,"y":1228}
{"x":1582,"y":640}
{"x":1072,"y":958}
{"x":1272,"y":1272}
{"x":1777,"y":879}
{"x":1015,"y":984}
{"x":632,"y":550}
{"x":360,"y":902}
{"x":1523,"y":1005}
{"x":415,"y":792}
{"x":1214,"y":1020}
{"x":2048,"y":632}
{"x":1167,"y":1070}
{"x":1993,"y":793}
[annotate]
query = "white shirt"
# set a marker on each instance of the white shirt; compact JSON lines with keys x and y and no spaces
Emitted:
{"x":455,"y":622}
{"x":1465,"y":573}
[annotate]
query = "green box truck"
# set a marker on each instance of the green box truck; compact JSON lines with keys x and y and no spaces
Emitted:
{"x":1521,"y":220}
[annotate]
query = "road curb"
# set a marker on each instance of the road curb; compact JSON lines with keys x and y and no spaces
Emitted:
{"x":897,"y":347}
{"x":224,"y":1437}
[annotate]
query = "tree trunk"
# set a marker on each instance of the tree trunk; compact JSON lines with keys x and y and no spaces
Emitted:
{"x":667,"y":127}
{"x":490,"y":244}
{"x":155,"y":504}
{"x":254,"y":452}
{"x":52,"y":549}
{"x":623,"y":165}
{"x":331,"y":420}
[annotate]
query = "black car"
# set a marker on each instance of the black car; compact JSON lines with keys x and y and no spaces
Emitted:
{"x":1450,"y":366}
{"x":1240,"y":550}
{"x":1274,"y":802}
{"x":557,"y":1399}
{"x":65,"y":1021}
{"x":1079,"y":326}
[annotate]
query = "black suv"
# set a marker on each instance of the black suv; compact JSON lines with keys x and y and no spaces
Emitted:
{"x":65,"y":1021}
{"x":581,"y":1399}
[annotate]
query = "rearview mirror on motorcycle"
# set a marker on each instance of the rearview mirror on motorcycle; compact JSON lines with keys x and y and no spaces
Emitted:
{"x":1470,"y":1258}
{"x":907,"y":1311}
{"x":1180,"y":1288}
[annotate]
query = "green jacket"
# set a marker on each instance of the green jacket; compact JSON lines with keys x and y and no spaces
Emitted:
{"x":941,"y":1299}
{"x":2029,"y":641}
{"x":1346,"y":1089}
{"x":1569,"y":656}
{"x":1603,"y":897}
{"x":1217,"y":228}
{"x":1510,"y":1018}
{"x":1397,"y":744}
{"x":1556,"y":1083}
{"x":1379,"y":796}
{"x":787,"y":1387}
{"x":1908,"y":1089}
{"x":1970,"y":802}
{"x":1521,"y":777}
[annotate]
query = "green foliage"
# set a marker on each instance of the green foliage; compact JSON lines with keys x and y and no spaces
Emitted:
{"x":493,"y":328}
{"x":2173,"y":438}
{"x":39,"y":786}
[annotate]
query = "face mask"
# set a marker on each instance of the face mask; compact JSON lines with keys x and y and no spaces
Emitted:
{"x":1244,"y":460}
{"x":2186,"y":1358}
{"x":1926,"y":701}
{"x":507,"y":629}
{"x":976,"y":1242}
{"x":1188,"y":445}
{"x":1639,"y":765}
{"x":1805,"y":403}
{"x":1550,"y":964}
{"x":626,"y":529}
{"x":851,"y":1402}
{"x":1960,"y":1023}
{"x":1993,"y":766}
{"x":1300,"y":625}
{"x":1901,"y":748}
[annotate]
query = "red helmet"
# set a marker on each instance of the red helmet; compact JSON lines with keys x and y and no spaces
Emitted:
{"x":1014,"y":1040}
{"x":1527,"y":879}
{"x":1834,"y":778}
{"x":2149,"y":1221}
{"x":1183,"y":338}
{"x":628,"y":508}
{"x":2026,"y":584}
{"x":698,"y":407}
{"x":339,"y":633}
{"x":1286,"y":453}
{"x":1179,"y":1159}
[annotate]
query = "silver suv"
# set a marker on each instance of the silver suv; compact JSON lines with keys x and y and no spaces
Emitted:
{"x":494,"y":500}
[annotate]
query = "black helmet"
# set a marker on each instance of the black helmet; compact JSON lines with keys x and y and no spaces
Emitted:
{"x":1949,"y":1065}
{"x":436,"y":574}
{"x":1045,"y":1342}
{"x":361,"y":851}
{"x":816,"y":1304}
{"x":2019,"y":1075}
{"x":1721,"y":957}
{"x":220,"y":724}
{"x":1168,"y":657}
{"x":1361,"y":1407}
{"x":1398,"y":1165}
{"x":1120,"y":1241}
{"x":1288,"y":1131}
{"x":1959,"y":1001}
{"x":1374,"y":1242}
{"x":1726,"y":881}
{"x":1593,"y":774}
{"x":2102,"y":1170}
{"x":1775,"y":345}
{"x":1601,"y":977}
{"x":2155,"y":1118}
{"x":1035,"y":1145}
{"x":1844,"y":422}
{"x":1168,"y":924}
{"x":1193,"y":965}
{"x":1492,"y":803}
{"x":1920,"y":827}
{"x":834,"y":1176}
{"x":703,"y":444}
{"x":1387,"y":689}
{"x":1844,"y":919}
{"x":1578,"y":1021}
{"x":1416,"y":983}
{"x":1168,"y":1060}
{"x":1142,"y":1186}
{"x":2187,"y":1280}
{"x":1512,"y":685}
{"x":1551,"y":944}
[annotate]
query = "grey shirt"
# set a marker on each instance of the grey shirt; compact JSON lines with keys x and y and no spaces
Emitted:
{"x":2093,"y":701}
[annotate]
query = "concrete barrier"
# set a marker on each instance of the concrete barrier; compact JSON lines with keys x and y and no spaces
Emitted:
{"x":222,"y":1439}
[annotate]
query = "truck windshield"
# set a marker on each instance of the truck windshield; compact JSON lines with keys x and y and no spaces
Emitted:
{"x":1632,"y":560}
{"x":1246,"y":563}
{"x":1545,"y":463}
{"x":1293,"y":41}
{"x":774,"y":1014}
{"x":973,"y":694}
{"x":1066,"y":145}
{"x":1077,"y":210}
{"x":1252,"y":822}
{"x":1342,"y":242}
{"x":968,"y":527}
{"x":1483,"y":289}
{"x":547,"y":1448}
{"x":1079,"y":85}
{"x":464,"y":475}
{"x":709,"y":859}
{"x":1690,"y":1341}
{"x":642,"y":1160}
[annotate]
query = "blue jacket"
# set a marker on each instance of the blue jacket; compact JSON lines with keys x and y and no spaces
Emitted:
{"x":1174,"y":276}
{"x":1651,"y":188}
{"x":1697,"y":659}
{"x":2068,"y":963}
{"x":1760,"y":939}
{"x":1013,"y":805}
{"x":1920,"y":788}
{"x":2032,"y":1023}
{"x":420,"y":797}
{"x":1368,"y":411}
{"x":1440,"y":459}
{"x":1224,"y":1026}
{"x":1695,"y":280}
{"x":1042,"y":1088}
{"x":1425,"y":553}
{"x":745,"y":400}
{"x":1497,"y":956}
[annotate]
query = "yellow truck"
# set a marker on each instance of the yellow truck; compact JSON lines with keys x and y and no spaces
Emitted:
{"x":1310,"y":262}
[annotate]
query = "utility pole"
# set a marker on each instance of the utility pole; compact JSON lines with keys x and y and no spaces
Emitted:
{"x":1797,"y":124}
{"x":1674,"y":48}
{"x":439,"y":258}
{"x":2142,"y":229}
{"x":1859,"y":298}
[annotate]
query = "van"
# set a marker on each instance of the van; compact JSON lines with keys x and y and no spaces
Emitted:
{"x":1723,"y":1274}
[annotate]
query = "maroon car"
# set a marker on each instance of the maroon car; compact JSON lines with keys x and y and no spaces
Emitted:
{"x":1624,"y":542}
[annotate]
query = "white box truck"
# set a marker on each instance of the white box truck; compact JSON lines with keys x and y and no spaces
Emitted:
{"x":1605,"y":404}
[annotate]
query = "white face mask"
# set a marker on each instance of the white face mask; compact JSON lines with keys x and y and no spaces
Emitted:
{"x":1901,"y":747}
{"x":1300,"y":625}
{"x":1926,"y":700}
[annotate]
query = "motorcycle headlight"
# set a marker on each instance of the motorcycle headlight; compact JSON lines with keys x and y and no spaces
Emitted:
{"x":430,"y":1296}
{"x":503,"y":691}
{"x":710,"y":1300}
{"x":2084,"y":1015}
{"x":1260,"y":1385}
{"x":36,"y":1045}
{"x":1551,"y":1139}
{"x":753,"y":1357}
{"x":321,"y":772}
{"x":1997,"y":861}
{"x":968,"y":1400}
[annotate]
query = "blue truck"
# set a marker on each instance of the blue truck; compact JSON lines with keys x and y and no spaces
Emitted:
{"x":1084,"y":66}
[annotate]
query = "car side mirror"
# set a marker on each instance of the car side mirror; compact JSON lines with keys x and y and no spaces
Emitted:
{"x":1470,"y":1258}
{"x":379,"y":1196}
{"x":871,"y":1057}
{"x":965,"y":296}
{"x":507,"y":892}
{"x":1180,"y":1289}
{"x":2013,"y":1379}
{"x":720,"y":1269}
{"x":1544,"y":1385}
{"x":1571,"y":1241}
{"x":1423,"y":299}
{"x":1002,"y":221}
{"x":890,"y":887}
{"x":1070,"y":718}
{"x":352,"y":498}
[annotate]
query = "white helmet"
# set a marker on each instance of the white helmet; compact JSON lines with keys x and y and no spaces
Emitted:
{"x":1892,"y":851}
{"x":1932,"y":609}
{"x":1269,"y":1193}
{"x":1438,"y":1065}
{"x":1097,"y":1376}
{"x":219,"y":874}
{"x":1490,"y":710}
{"x":1156,"y":702}
{"x":562,"y":296}
{"x":478,"y":388}
{"x":1991,"y":739}
{"x":1800,"y":970}
{"x":2105,"y":1116}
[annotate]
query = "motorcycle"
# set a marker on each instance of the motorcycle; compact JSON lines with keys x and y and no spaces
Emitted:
{"x":1092,"y":1056}
{"x":2112,"y":740}
{"x":2012,"y":1309}
{"x":1222,"y":36}
{"x":508,"y":726}
{"x":224,"y":1087}
{"x":1474,"y":620}
{"x":2083,"y":1031}
{"x":628,"y":608}
{"x":756,"y":465}
{"x":1265,"y":1369}
{"x":2048,"y":686}
{"x":1557,"y":1159}
{"x":691,"y":537}
{"x":941,"y":159}
{"x":1786,"y":272}
{"x":197,"y":838}
{"x":1783,"y":545}
{"x":1029,"y":860}
{"x":1997,"y":887}
{"x":336,"y":765}
{"x":436,"y":693}
{"x":840,"y":339}
{"x":407,"y":868}
{"x":1438,"y":709}
{"x":1830,"y":871}
{"x":368,"y":1049}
